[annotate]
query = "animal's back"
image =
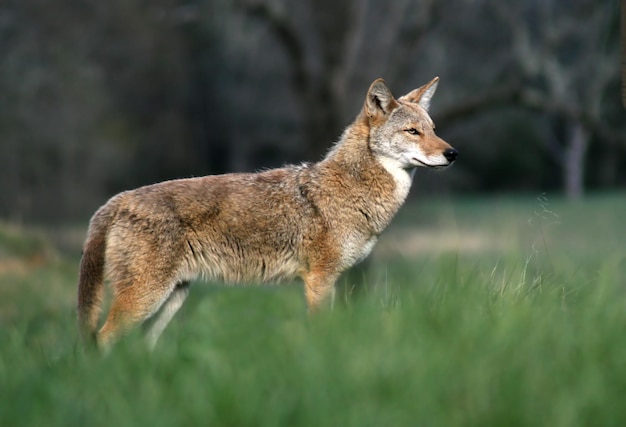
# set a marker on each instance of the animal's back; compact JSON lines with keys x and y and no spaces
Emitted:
{"x":232,"y":228}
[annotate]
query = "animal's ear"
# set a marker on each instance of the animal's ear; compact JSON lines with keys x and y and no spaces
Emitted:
{"x":379,"y":99}
{"x":422,"y":95}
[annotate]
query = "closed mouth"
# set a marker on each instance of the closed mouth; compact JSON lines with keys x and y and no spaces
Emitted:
{"x":417,"y":162}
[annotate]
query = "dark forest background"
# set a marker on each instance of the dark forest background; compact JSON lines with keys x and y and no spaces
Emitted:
{"x":102,"y":96}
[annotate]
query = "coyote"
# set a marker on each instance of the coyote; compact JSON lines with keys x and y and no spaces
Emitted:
{"x":312,"y":221}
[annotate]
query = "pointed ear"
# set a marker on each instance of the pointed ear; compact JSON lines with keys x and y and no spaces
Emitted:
{"x":422,"y":95}
{"x":379,"y":99}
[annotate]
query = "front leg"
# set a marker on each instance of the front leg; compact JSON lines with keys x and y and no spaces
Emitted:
{"x":318,"y":285}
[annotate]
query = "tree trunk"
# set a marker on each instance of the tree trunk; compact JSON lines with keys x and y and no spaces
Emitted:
{"x":623,"y":43}
{"x":574,"y":161}
{"x":322,"y":121}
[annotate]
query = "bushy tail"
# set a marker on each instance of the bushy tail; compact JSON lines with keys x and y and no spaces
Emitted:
{"x":91,"y":275}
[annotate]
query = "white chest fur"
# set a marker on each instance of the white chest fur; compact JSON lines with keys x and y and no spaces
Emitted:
{"x":355,"y":249}
{"x":402,"y":178}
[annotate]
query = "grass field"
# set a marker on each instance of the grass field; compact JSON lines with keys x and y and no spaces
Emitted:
{"x":487,"y":312}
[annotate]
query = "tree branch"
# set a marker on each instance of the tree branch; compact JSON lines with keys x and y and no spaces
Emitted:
{"x":287,"y":36}
{"x":623,"y":43}
{"x":503,"y":96}
{"x":535,"y":101}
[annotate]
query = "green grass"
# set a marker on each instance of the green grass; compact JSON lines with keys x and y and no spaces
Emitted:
{"x":511,"y":311}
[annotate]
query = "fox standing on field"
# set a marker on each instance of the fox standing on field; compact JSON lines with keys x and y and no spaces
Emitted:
{"x":312,"y":221}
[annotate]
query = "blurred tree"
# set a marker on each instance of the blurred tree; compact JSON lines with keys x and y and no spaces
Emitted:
{"x":335,"y":48}
{"x":97,"y":97}
{"x":623,"y":45}
{"x":53,"y":99}
{"x":568,"y":69}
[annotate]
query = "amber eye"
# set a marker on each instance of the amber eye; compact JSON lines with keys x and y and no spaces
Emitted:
{"x":413,"y":131}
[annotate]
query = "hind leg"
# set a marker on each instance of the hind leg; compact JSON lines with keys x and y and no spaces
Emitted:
{"x":156,"y":325}
{"x":132,"y":304}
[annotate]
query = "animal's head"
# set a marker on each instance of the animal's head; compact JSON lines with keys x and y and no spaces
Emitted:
{"x":401,"y":130}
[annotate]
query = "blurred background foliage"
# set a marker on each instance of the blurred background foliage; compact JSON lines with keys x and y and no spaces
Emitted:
{"x":98,"y":97}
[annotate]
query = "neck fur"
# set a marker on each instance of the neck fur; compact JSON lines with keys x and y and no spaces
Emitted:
{"x":352,"y":153}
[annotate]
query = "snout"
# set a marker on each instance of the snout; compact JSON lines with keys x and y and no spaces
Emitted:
{"x":450,"y":154}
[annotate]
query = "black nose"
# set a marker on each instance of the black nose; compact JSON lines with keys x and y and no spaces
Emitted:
{"x":450,"y":154}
